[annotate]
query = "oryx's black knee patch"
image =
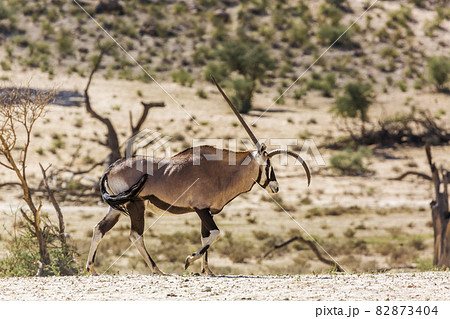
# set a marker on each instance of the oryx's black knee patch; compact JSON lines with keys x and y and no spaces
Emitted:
{"x":207,"y":219}
{"x":205,"y":231}
{"x":204,"y":249}
{"x":107,"y":224}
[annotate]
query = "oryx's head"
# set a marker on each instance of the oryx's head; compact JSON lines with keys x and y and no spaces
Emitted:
{"x":266,"y":177}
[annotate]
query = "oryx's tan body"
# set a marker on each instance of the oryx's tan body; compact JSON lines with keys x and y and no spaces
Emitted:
{"x":203,"y":177}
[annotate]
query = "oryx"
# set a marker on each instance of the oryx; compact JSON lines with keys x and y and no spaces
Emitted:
{"x":187,"y":182}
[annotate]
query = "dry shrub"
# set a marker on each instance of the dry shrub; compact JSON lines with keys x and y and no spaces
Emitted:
{"x":395,"y":231}
{"x":401,"y":256}
{"x":351,"y":263}
{"x":302,"y":261}
{"x":333,"y":211}
{"x":175,"y":247}
{"x":369,"y":266}
{"x":238,"y":250}
{"x":260,"y":235}
{"x":384,"y":248}
{"x":417,"y":243}
{"x":349,"y":233}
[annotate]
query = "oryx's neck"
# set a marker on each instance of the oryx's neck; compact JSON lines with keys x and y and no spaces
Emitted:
{"x":239,"y":178}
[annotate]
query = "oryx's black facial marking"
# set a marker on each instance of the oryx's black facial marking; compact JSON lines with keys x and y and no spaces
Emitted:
{"x":270,"y":175}
{"x":258,"y":179}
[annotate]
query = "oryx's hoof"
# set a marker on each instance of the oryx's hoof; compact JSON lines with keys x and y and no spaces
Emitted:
{"x":207,"y":272}
{"x":189,"y":260}
{"x":187,"y":263}
{"x":156,"y":271}
{"x":91,"y":270}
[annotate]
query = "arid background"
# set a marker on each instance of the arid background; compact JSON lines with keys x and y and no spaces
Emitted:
{"x":363,"y":218}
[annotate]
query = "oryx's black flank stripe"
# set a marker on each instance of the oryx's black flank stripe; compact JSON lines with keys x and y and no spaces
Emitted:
{"x":166,"y":206}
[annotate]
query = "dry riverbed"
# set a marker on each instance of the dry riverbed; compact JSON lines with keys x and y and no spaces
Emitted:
{"x":388,"y":286}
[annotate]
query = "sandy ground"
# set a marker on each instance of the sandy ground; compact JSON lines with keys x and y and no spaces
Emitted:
{"x":374,"y":287}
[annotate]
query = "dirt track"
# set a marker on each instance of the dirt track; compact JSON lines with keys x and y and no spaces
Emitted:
{"x":406,"y":286}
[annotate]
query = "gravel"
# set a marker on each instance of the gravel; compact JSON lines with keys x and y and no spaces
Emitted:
{"x":387,"y":286}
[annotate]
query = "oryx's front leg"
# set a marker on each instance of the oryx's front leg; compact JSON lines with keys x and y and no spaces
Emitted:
{"x":205,"y":268}
{"x":108,"y":222}
{"x":210,"y":233}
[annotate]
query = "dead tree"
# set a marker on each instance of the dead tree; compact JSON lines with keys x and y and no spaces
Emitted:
{"x":55,"y":204}
{"x":112,"y":140}
{"x":19,"y":111}
{"x":440,"y":213}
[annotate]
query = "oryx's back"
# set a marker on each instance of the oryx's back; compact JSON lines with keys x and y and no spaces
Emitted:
{"x":197,"y":177}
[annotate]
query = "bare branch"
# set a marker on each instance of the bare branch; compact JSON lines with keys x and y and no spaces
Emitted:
{"x":434,"y":172}
{"x":75,"y":155}
{"x":10,"y":184}
{"x":402,"y":176}
{"x":311,"y":245}
{"x":25,"y":216}
{"x":84,"y":171}
{"x":7,"y":166}
{"x":112,"y":140}
{"x":147,"y":107}
{"x":40,"y":270}
{"x":55,"y":204}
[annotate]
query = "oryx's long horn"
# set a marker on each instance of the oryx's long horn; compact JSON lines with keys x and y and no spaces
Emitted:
{"x":280,"y":151}
{"x":238,"y":115}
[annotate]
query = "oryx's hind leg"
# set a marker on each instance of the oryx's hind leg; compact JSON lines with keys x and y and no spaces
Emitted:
{"x":210,"y":233}
{"x":103,"y":226}
{"x":136,"y":209}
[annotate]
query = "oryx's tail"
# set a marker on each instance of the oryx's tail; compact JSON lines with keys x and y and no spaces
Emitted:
{"x":117,"y":201}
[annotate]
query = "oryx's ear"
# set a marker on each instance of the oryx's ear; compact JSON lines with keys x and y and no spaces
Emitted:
{"x":264,"y":155}
{"x":262,"y":148}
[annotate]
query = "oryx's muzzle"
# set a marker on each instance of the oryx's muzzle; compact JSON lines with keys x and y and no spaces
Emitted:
{"x":273,"y":187}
